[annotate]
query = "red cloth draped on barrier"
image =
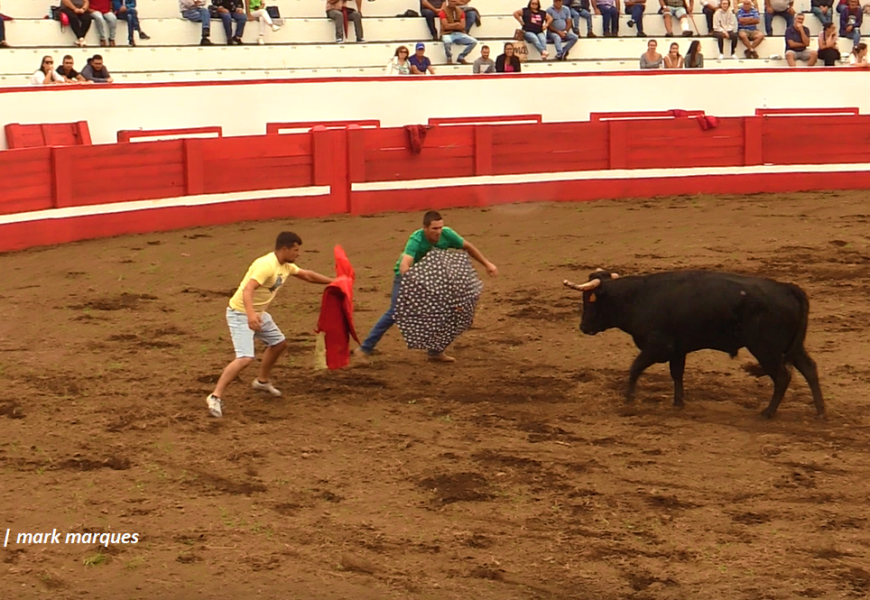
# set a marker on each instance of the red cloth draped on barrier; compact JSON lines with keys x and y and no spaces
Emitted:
{"x":416,"y":137}
{"x":704,"y":121}
{"x":336,"y":313}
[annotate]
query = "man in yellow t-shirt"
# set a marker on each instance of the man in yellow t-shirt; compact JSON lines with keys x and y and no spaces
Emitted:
{"x":248,"y":319}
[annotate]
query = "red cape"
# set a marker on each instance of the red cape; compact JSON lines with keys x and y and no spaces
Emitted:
{"x":336,"y":313}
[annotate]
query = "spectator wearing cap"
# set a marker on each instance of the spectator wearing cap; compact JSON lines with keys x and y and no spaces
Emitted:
{"x":68,"y":72}
{"x":453,"y":32}
{"x":336,"y":10}
{"x":105,"y":20}
{"x":46,"y":75}
{"x":96,"y":71}
{"x":229,"y":11}
{"x":420,"y":63}
{"x":126,"y":10}
{"x":430,"y":9}
{"x":484,"y":64}
{"x":76,"y":12}
{"x":197,"y":11}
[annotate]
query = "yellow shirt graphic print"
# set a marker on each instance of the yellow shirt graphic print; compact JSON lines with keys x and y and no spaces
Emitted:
{"x":270,"y":274}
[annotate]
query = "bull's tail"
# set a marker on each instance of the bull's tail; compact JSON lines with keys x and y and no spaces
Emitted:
{"x":797,"y":343}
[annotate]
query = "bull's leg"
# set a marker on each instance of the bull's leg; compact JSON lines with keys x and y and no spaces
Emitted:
{"x":678,"y":366}
{"x":807,"y":367}
{"x":643,"y":361}
{"x":781,"y":376}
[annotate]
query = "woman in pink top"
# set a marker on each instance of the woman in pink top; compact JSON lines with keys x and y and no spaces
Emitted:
{"x":508,"y":62}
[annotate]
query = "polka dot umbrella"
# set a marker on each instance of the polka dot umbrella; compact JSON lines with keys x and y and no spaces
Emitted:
{"x":437,"y":300}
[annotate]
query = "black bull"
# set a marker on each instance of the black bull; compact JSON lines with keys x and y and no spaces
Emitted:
{"x":674,"y":313}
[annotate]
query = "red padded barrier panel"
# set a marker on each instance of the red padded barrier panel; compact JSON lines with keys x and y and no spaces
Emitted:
{"x":27,"y":180}
{"x":816,"y":139}
{"x":792,"y":112}
{"x":125,"y":135}
{"x":47,"y":134}
{"x":275,"y":128}
{"x":474,"y":120}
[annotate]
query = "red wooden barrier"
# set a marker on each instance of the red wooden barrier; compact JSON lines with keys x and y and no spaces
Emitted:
{"x":644,"y":114}
{"x":474,"y":120}
{"x":791,"y":112}
{"x":41,"y":135}
{"x":125,"y":135}
{"x":276,"y":128}
{"x":27,"y":180}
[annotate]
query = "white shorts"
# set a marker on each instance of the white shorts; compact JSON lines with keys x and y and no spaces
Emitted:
{"x":243,"y":336}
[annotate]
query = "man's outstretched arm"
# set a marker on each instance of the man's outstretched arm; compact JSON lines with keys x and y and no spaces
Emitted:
{"x":479,"y":257}
{"x":313,"y":277}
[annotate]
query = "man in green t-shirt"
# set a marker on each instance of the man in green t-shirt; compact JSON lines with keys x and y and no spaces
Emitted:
{"x":432,"y":235}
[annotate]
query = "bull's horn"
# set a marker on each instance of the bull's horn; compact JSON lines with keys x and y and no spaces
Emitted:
{"x":589,"y":285}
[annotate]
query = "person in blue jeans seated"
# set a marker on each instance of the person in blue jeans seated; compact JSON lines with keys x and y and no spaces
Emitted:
{"x":636,"y":8}
{"x":126,"y":10}
{"x":453,"y":32}
{"x":581,"y":8}
{"x":534,"y":23}
{"x":559,"y":32}
{"x":433,"y":235}
{"x":229,"y":11}
{"x":197,"y":12}
{"x":851,"y":19}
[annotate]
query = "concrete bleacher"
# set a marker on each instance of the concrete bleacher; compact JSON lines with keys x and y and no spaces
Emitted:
{"x":305,"y":46}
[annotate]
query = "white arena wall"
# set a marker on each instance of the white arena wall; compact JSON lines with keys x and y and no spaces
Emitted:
{"x":244,"y":107}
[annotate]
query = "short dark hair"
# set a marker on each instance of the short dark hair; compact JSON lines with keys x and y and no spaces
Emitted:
{"x":68,"y":56}
{"x":286,"y":239}
{"x":97,"y":57}
{"x":431,"y":216}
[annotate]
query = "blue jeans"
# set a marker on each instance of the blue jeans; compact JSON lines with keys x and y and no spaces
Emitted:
{"x":824,"y":19}
{"x":538,"y":40}
{"x":636,"y":13}
{"x":570,"y":39}
{"x":855,"y":35}
{"x":609,"y":19}
{"x":199,"y":15}
{"x":132,"y":16}
{"x":472,"y":17}
{"x":463,"y":39}
{"x":576,"y":13}
{"x":2,"y":31}
{"x":768,"y":20}
{"x":385,"y":322}
{"x":239,"y":18}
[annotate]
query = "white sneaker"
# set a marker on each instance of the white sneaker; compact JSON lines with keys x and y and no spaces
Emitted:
{"x":260,"y":40}
{"x":265,"y":387}
{"x":734,"y":56}
{"x":721,"y":56}
{"x":275,"y":27}
{"x":214,"y":406}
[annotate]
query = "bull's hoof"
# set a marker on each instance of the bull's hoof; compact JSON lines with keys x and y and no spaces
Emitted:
{"x":679,"y":405}
{"x":821,"y":416}
{"x":767,"y":413}
{"x":628,"y":400}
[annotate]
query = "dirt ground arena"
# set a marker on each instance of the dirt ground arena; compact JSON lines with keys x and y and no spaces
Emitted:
{"x":515,"y":473}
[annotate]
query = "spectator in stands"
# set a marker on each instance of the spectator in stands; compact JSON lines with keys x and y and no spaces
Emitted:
{"x":858,"y":56}
{"x":420,"y":63}
{"x":747,"y":28}
{"x":824,"y":10}
{"x":651,"y":59}
{"x":472,"y":16}
{"x":400,"y":64}
{"x":534,"y":22}
{"x":559,"y":32}
{"x":430,"y":9}
{"x":636,"y":8}
{"x":709,"y":7}
{"x":797,"y":41}
{"x":508,"y":62}
{"x":778,"y":8}
{"x":581,"y":8}
{"x":229,"y":11}
{"x":126,"y":10}
{"x":46,"y":75}
{"x":104,"y":18}
{"x":484,"y":64}
{"x":96,"y":71}
{"x":79,"y":18}
{"x":672,"y":59}
{"x":851,"y":19}
{"x":725,"y":28}
{"x":828,"y":39}
{"x":679,"y":9}
{"x":197,"y":11}
{"x":3,"y":43}
{"x":609,"y":11}
{"x":336,"y":10}
{"x":694,"y":58}
{"x":67,"y":71}
{"x":453,"y":32}
{"x":257,"y":12}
